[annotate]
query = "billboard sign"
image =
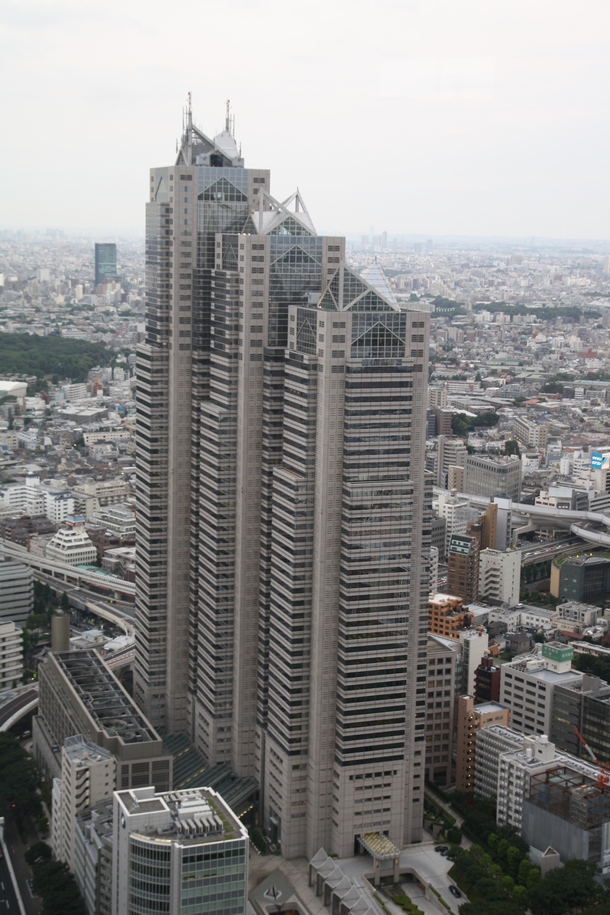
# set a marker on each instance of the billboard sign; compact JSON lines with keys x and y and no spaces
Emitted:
{"x":600,"y":460}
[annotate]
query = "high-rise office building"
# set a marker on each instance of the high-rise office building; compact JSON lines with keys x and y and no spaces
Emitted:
{"x":463,"y":567}
{"x":105,"y":263}
{"x":283,"y":517}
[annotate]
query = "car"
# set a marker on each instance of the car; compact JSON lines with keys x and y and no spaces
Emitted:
{"x":455,"y":892}
{"x":441,"y":849}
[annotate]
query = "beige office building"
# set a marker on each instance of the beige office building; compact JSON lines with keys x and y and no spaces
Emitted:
{"x":284,"y":521}
{"x":79,"y":695}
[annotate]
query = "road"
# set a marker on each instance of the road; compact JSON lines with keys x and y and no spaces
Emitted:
{"x":21,"y":701}
{"x":8,"y":899}
{"x":23,"y":871}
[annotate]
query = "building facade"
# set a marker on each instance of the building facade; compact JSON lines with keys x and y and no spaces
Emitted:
{"x":88,"y":775}
{"x":79,"y":695}
{"x":11,"y":655}
{"x":181,"y":852}
{"x":500,"y":575}
{"x":463,"y":567}
{"x":493,"y":476}
{"x":527,"y":686}
{"x":470,"y":719}
{"x":442,"y":658}
{"x":447,"y":616}
{"x":16,"y":591}
{"x":284,"y":521}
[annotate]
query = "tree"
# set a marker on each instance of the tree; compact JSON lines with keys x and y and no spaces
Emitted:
{"x":567,"y":888}
{"x":520,"y":895}
{"x":533,"y":879}
{"x":54,"y":882}
{"x":19,"y":783}
{"x":65,"y":603}
{"x":511,"y":446}
{"x":38,"y":853}
{"x":524,"y":869}
{"x":499,"y":907}
{"x":454,"y":835}
{"x":513,"y":859}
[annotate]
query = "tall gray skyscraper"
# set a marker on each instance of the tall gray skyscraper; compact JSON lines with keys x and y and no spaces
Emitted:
{"x":283,"y":514}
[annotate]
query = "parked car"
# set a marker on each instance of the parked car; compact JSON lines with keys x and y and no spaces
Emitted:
{"x":455,"y":892}
{"x":441,"y":849}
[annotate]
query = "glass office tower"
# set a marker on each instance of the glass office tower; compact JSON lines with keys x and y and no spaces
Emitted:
{"x":105,"y":263}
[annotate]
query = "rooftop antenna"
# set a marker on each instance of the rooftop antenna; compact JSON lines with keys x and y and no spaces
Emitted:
{"x":189,"y":110}
{"x":229,"y":119}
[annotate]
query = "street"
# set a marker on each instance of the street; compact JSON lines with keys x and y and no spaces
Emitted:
{"x":23,"y":871}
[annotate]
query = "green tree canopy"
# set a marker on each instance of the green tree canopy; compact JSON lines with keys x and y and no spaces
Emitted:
{"x":47,"y":356}
{"x":54,"y":882}
{"x":38,"y":853}
{"x":566,"y":889}
{"x":19,"y":783}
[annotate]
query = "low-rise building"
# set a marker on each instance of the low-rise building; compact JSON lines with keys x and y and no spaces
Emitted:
{"x":72,"y":545}
{"x":500,"y":575}
{"x":583,"y":578}
{"x":447,"y":615}
{"x":178,"y":852}
{"x":88,"y":775}
{"x":527,"y":685}
{"x":493,"y":476}
{"x":470,"y":719}
{"x":79,"y":695}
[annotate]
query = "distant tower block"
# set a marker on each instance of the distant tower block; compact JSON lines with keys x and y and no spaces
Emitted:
{"x":105,"y":263}
{"x":60,"y":632}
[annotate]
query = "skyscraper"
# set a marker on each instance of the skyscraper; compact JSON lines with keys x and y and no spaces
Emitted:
{"x":105,"y":263}
{"x":283,"y":516}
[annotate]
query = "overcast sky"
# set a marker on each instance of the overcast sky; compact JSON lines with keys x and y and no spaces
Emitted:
{"x":469,"y":117}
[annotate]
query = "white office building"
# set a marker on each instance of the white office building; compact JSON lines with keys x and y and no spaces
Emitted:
{"x":88,"y":775}
{"x":182,"y":851}
{"x":500,"y":575}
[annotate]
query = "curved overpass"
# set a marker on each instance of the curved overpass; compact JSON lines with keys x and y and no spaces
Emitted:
{"x":17,"y":705}
{"x":567,"y":517}
{"x":72,"y":575}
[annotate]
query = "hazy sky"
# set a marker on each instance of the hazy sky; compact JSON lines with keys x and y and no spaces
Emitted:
{"x":470,"y":117}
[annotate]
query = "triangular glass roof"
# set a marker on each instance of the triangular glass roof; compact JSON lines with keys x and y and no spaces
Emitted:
{"x":296,"y":257}
{"x":378,"y":342}
{"x":306,"y":336}
{"x":225,"y":191}
{"x":375,"y":276}
{"x":289,"y":226}
{"x":348,"y":290}
{"x":288,"y":217}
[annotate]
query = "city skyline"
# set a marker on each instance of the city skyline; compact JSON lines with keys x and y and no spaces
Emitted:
{"x":458,"y":120}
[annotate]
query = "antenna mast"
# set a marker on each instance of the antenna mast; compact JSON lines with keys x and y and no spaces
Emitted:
{"x":229,"y":119}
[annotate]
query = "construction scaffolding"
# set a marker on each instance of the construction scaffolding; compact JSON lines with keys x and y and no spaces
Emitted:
{"x":572,"y":796}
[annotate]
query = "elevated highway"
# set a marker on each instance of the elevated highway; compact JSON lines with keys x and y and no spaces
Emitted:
{"x":569,"y":519}
{"x":17,"y":703}
{"x":70,"y":575}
